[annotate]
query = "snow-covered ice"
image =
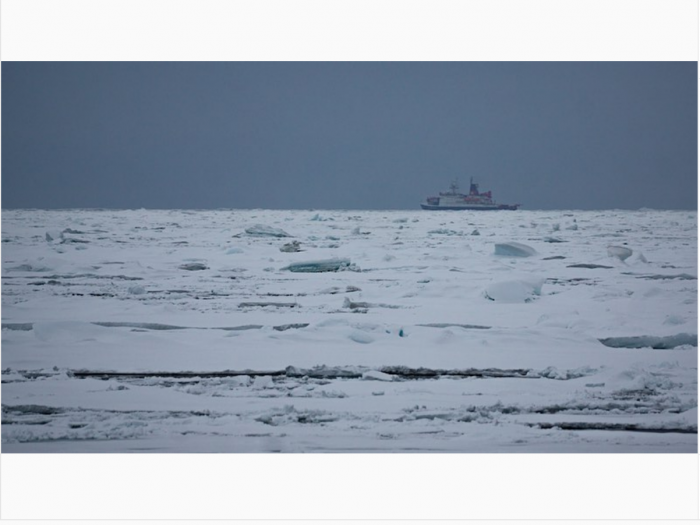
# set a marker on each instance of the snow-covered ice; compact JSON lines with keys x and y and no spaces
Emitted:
{"x":173,"y":331}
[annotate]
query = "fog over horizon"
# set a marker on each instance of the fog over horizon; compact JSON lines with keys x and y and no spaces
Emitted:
{"x":348,"y":135}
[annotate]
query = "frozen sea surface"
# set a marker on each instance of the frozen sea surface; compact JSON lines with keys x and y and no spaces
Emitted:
{"x":380,"y":331}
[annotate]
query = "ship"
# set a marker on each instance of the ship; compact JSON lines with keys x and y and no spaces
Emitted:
{"x":454,"y":200}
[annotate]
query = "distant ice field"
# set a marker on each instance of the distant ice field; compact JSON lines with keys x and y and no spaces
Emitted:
{"x":349,"y":331}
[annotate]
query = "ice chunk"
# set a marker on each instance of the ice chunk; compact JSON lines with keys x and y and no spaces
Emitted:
{"x":325,"y":265}
{"x":136,"y":290}
{"x":261,"y":230}
{"x":290,"y":247}
{"x":376,"y":375}
{"x":620,"y":252}
{"x":192,"y":267}
{"x":262,"y":382}
{"x":361,"y":305}
{"x":514,"y":249}
{"x":31,"y":267}
{"x":240,"y":381}
{"x":233,"y":250}
{"x":516,"y":291}
{"x":54,"y":235}
{"x":444,"y":231}
{"x":360,"y":336}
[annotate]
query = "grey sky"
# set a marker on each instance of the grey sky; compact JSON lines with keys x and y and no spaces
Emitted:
{"x":348,"y":135}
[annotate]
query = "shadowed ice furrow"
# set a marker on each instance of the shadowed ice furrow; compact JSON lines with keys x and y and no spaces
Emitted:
{"x":647,"y":341}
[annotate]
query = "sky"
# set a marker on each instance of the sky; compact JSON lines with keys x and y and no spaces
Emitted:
{"x":348,"y":135}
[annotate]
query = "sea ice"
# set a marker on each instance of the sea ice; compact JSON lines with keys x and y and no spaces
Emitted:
{"x":132,"y":383}
{"x":67,"y":332}
{"x":673,"y":320}
{"x":336,"y":290}
{"x":291,"y":247}
{"x":360,"y":336}
{"x":192,"y":267}
{"x":325,"y":265}
{"x":30,"y":267}
{"x":265,"y":304}
{"x":262,"y":382}
{"x":514,"y":249}
{"x":444,"y":231}
{"x":515,"y":291}
{"x":376,"y":375}
{"x":261,"y":230}
{"x":53,"y":235}
{"x":647,"y":341}
{"x":620,"y":252}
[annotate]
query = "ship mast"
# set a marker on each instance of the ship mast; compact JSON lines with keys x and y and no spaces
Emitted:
{"x":473,"y":188}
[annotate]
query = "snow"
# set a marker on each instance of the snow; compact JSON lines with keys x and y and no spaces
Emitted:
{"x":202,"y":339}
